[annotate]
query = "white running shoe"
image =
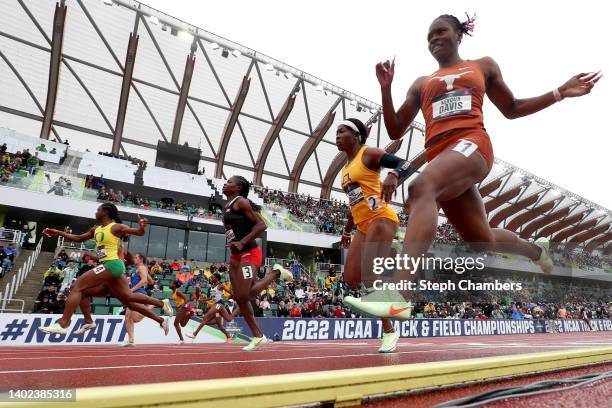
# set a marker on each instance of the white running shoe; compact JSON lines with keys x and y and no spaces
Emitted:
{"x":85,"y":327}
{"x":545,"y":262}
{"x":165,"y":325}
{"x":389,"y":342}
{"x":190,"y":335}
{"x":127,"y":344}
{"x":284,"y":273}
{"x":167,"y":308}
{"x":256,"y":342}
{"x":55,"y":328}
{"x":381,"y":303}
{"x":181,"y":342}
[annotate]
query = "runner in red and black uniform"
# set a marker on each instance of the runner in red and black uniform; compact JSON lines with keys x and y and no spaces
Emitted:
{"x":458,"y":147}
{"x":243,"y":225}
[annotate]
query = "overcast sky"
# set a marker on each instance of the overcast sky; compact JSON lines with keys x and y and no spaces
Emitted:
{"x":538,"y":46}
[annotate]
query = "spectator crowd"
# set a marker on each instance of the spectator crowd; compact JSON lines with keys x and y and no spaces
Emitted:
{"x":12,"y":163}
{"x":540,"y":298}
{"x":327,"y":216}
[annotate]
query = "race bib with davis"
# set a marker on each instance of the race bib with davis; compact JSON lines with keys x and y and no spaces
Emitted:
{"x":452,"y":103}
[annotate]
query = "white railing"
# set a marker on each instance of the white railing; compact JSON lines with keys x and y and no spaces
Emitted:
{"x":11,"y":235}
{"x":5,"y":309}
{"x":18,"y":278}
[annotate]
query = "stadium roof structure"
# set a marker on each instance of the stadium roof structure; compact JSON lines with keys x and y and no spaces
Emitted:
{"x":117,"y":75}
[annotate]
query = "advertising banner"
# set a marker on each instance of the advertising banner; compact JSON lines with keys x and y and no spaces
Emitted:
{"x":22,"y":329}
{"x":345,"y":329}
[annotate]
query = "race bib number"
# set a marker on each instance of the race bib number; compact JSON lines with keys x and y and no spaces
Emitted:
{"x":374,"y":202}
{"x":354,"y":192}
{"x":465,"y":147}
{"x":100,"y":252}
{"x":247,"y":272}
{"x":452,"y":103}
{"x":98,"y":269}
{"x":229,"y":235}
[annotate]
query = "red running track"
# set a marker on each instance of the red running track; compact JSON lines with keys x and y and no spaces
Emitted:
{"x":88,"y":366}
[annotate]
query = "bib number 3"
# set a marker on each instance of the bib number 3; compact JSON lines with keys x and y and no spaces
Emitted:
{"x":247,"y":272}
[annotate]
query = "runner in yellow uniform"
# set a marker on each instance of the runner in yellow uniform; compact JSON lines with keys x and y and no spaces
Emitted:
{"x":108,"y":235}
{"x":376,"y":222}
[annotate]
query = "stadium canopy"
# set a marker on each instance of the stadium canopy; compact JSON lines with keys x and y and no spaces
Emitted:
{"x":117,"y":75}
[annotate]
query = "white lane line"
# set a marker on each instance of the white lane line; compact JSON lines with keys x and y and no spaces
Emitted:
{"x":138,"y":355}
{"x":384,"y":356}
{"x":140,"y":352}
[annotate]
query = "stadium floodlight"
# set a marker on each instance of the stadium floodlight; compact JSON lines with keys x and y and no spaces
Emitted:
{"x":184,"y":35}
{"x":153,"y":20}
{"x":269,"y":67}
{"x":319,"y":88}
{"x":374,"y":111}
{"x":108,"y":2}
{"x":214,"y":46}
{"x":288,"y":75}
{"x":353,"y":102}
{"x":225,"y":53}
{"x":236,"y":53}
{"x":359,"y":108}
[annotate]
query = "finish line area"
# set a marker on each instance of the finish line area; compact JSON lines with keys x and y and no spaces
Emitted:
{"x":289,"y":373}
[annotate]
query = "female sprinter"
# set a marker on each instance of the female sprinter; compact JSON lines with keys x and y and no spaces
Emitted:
{"x":376,"y":221}
{"x":184,"y":308}
{"x":134,"y":312}
{"x":243,"y":225}
{"x":139,"y":279}
{"x":216,"y":310}
{"x":458,"y":147}
{"x":108,"y":235}
{"x":137,"y":308}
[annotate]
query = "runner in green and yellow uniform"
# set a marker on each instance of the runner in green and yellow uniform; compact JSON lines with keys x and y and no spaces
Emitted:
{"x":108,"y":235}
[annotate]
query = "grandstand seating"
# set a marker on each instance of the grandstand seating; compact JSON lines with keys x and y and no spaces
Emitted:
{"x":16,"y":142}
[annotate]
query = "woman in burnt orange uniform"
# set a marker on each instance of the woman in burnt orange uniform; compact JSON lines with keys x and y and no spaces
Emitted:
{"x":458,"y":147}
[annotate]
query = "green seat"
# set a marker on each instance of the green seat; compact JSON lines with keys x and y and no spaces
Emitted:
{"x":128,"y":203}
{"x":158,"y":295}
{"x":273,"y":307}
{"x":153,"y":204}
{"x":268,"y":313}
{"x":114,"y":302}
{"x":99,"y":301}
{"x":115,"y":310}
{"x":23,"y":173}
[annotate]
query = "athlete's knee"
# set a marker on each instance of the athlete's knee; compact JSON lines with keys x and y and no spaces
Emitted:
{"x":421,"y":187}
